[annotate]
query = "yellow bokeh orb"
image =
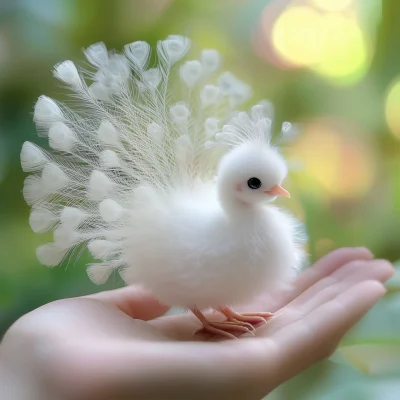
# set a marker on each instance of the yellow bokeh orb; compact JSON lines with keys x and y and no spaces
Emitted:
{"x":332,"y":5}
{"x":331,"y":44}
{"x":392,"y":109}
{"x":295,"y":36}
{"x":345,"y":53}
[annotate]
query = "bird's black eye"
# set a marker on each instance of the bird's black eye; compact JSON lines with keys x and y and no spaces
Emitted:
{"x":254,"y":183}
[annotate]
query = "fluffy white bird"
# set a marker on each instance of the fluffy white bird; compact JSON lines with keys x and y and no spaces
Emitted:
{"x":169,"y":185}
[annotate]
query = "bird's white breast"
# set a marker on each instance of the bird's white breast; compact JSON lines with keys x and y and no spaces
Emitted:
{"x":189,"y":253}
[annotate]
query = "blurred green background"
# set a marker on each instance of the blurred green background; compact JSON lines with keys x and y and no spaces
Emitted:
{"x":333,"y":66}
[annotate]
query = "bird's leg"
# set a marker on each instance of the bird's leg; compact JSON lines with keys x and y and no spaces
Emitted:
{"x":220,"y":328}
{"x":254,"y":318}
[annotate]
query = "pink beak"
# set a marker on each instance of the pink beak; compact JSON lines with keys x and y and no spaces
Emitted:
{"x":278,"y":191}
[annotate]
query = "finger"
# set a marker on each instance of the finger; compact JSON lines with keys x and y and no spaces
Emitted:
{"x":383,"y":268}
{"x":133,"y":301}
{"x":328,"y":264}
{"x":273,"y":301}
{"x":316,"y":336}
{"x":346,"y":276}
{"x":327,"y":289}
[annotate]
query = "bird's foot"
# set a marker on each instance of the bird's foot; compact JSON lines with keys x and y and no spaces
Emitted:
{"x":253,"y":319}
{"x":222,"y":328}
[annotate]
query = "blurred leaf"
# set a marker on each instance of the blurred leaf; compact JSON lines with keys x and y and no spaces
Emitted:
{"x":373,"y":345}
{"x":345,"y":383}
{"x":385,"y":389}
{"x":379,"y":359}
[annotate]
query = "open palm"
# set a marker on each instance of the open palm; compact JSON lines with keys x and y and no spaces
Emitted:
{"x":118,"y":344}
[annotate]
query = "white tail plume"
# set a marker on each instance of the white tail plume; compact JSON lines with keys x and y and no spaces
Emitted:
{"x":127,"y":134}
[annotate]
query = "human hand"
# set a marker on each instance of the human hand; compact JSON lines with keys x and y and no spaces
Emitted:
{"x":117,"y":344}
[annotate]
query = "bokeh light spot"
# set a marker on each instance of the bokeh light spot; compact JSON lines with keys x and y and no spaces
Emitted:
{"x":332,"y":5}
{"x":392,"y":109}
{"x":342,"y":166}
{"x":295,"y":35}
{"x":331,"y":44}
{"x":345,"y":54}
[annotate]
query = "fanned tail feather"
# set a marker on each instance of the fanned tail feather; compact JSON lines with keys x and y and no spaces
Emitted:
{"x":128,"y":129}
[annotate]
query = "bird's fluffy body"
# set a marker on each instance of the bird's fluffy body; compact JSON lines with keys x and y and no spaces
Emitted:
{"x":191,"y":254}
{"x":157,"y":184}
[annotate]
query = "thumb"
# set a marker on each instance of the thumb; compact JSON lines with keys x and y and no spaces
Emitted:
{"x":134,"y":301}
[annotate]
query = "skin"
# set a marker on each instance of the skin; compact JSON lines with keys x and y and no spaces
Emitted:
{"x":117,"y":344}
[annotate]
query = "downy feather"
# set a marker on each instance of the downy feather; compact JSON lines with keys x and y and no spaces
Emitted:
{"x":130,"y":139}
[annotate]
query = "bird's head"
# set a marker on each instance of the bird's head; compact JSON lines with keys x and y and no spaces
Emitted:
{"x":251,"y":174}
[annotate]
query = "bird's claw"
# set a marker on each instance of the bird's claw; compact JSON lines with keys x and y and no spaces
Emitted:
{"x":252,"y":318}
{"x":223,"y":328}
